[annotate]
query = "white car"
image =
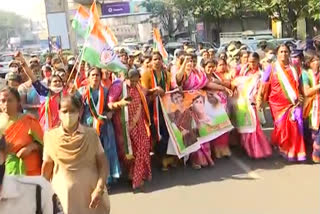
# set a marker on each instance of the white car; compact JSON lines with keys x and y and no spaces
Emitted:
{"x":5,"y":59}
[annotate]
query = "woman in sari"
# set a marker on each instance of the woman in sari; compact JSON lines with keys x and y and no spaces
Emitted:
{"x":190,"y":78}
{"x":96,"y":115}
{"x":280,"y":87}
{"x":107,"y":78}
{"x":246,"y":83}
{"x":311,"y":108}
{"x":23,"y":135}
{"x":131,"y":122}
{"x":75,"y":163}
{"x":216,"y":72}
{"x":244,"y":56}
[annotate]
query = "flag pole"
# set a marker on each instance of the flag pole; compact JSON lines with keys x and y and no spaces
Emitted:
{"x":73,"y":68}
{"x":79,"y":59}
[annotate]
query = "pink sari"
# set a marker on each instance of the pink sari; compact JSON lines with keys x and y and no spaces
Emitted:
{"x":255,"y":143}
{"x":220,"y":145}
{"x":197,"y":80}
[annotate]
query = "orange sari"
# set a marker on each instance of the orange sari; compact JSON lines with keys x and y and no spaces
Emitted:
{"x":20,"y":134}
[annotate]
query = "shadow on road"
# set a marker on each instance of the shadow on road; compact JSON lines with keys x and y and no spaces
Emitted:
{"x":224,"y":169}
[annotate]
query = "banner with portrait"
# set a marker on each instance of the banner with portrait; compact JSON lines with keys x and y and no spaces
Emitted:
{"x":242,"y":112}
{"x":193,"y":118}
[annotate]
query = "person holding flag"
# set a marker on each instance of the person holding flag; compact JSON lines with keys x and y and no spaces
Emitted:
{"x":97,"y":115}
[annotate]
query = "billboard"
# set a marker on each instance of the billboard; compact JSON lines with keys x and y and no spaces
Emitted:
{"x":57,"y":27}
{"x":123,"y":8}
{"x":53,"y":6}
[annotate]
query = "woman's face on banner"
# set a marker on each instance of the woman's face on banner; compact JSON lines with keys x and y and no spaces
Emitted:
{"x":211,"y":98}
{"x":177,"y":99}
{"x":198,"y":105}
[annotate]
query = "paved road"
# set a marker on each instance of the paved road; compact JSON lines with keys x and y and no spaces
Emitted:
{"x":236,"y":185}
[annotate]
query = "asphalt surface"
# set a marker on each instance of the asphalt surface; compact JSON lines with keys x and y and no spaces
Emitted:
{"x":236,"y":185}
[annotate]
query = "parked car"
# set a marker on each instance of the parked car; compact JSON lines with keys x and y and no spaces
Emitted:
{"x":172,"y":46}
{"x":208,"y":45}
{"x":5,"y":59}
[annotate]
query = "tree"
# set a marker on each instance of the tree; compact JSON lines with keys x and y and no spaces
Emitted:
{"x":287,"y":11}
{"x":11,"y":24}
{"x":168,"y":11}
{"x":314,"y":9}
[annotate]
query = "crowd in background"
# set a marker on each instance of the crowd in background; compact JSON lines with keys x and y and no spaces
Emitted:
{"x":71,"y":122}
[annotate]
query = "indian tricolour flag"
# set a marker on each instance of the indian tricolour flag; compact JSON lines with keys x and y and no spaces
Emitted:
{"x":81,"y":21}
{"x":99,"y":53}
{"x":110,"y":37}
{"x":158,"y":45}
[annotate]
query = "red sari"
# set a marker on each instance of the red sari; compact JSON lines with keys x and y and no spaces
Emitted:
{"x":288,"y":126}
{"x":139,"y":168}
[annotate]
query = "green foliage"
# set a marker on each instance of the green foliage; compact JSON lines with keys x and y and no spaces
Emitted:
{"x":287,"y":11}
{"x":168,"y":11}
{"x":11,"y":24}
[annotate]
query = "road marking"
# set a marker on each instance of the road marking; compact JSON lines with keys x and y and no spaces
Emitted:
{"x":245,"y":167}
{"x":267,"y":129}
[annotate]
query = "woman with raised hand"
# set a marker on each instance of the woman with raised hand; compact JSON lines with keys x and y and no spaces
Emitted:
{"x":48,"y":111}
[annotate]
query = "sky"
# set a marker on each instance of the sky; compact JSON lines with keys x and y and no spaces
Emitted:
{"x":31,"y":9}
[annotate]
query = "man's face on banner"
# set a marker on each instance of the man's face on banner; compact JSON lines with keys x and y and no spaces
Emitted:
{"x":211,"y":98}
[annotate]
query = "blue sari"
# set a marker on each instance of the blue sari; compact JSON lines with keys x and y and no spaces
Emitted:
{"x":107,"y":136}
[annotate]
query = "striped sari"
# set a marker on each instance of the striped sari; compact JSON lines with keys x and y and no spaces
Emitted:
{"x":281,"y":87}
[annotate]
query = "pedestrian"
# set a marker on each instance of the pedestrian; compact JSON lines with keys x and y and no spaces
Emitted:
{"x":212,"y":54}
{"x":23,"y":135}
{"x":222,"y":76}
{"x":311,"y":108}
{"x":253,"y":141}
{"x":48,"y":110}
{"x":30,"y":99}
{"x":191,"y":78}
{"x":32,"y":194}
{"x":132,"y":126}
{"x":13,"y":80}
{"x":97,"y":115}
{"x":158,"y":77}
{"x":146,"y":64}
{"x":176,"y":67}
{"x":280,"y":87}
{"x":75,"y":163}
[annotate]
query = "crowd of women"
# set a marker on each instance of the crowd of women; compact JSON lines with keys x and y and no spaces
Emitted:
{"x":73,"y":125}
